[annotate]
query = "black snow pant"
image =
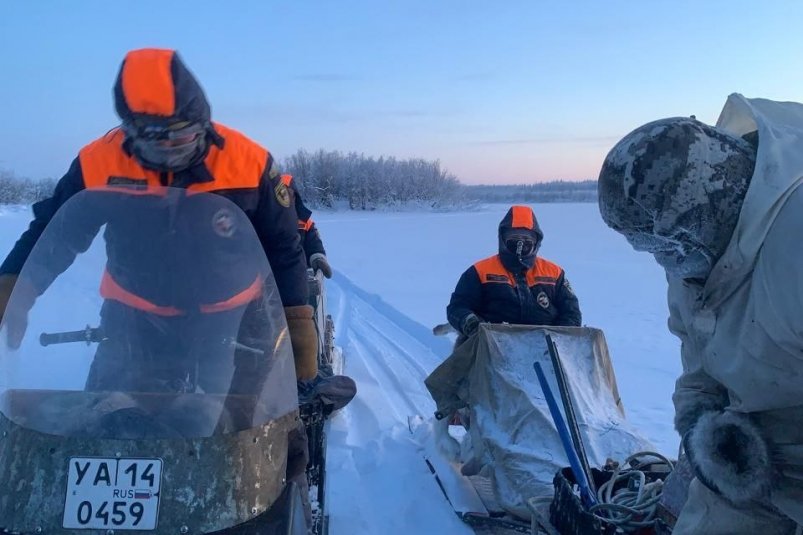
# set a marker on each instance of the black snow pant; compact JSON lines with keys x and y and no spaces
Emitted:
{"x":144,"y":352}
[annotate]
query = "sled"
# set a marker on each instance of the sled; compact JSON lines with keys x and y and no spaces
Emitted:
{"x":472,"y":497}
{"x":512,"y":419}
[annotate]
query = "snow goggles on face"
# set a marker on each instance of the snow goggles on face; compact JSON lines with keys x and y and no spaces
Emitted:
{"x":175,"y":133}
{"x":166,"y":146}
{"x":520,"y":245}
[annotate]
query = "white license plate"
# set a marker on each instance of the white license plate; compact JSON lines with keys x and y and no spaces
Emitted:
{"x":112,"y":493}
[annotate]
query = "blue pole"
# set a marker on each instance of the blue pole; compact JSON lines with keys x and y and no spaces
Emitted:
{"x":574,"y":461}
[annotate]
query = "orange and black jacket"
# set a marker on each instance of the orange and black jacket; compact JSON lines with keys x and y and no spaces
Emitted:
{"x":234,"y":167}
{"x":310,"y":237}
{"x":240,"y":171}
{"x":499,"y":289}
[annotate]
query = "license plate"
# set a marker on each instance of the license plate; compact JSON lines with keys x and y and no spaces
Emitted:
{"x":112,"y":493}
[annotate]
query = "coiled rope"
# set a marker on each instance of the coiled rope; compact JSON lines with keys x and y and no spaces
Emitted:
{"x":634,"y":505}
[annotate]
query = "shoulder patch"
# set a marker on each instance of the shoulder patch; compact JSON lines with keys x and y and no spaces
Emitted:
{"x":282,"y":194}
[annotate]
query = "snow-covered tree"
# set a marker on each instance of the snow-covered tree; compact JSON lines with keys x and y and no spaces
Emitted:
{"x":366,"y":183}
{"x":15,"y":190}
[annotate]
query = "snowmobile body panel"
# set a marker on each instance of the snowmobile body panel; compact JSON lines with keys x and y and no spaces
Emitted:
{"x":285,"y":517}
{"x":173,"y":414}
{"x":207,"y":484}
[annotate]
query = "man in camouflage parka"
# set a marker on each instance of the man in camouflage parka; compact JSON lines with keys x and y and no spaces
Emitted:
{"x":721,"y":211}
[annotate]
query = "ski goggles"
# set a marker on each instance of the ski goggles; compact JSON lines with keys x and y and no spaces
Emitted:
{"x":171,"y":133}
{"x":520,"y":245}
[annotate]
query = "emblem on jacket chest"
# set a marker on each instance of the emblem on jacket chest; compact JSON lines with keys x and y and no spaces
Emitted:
{"x":223,"y":223}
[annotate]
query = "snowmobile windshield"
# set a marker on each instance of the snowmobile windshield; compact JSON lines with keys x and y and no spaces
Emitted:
{"x":146,"y":313}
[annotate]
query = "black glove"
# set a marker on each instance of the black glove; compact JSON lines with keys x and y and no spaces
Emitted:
{"x":729,"y":456}
{"x":470,"y":324}
{"x":318,"y":261}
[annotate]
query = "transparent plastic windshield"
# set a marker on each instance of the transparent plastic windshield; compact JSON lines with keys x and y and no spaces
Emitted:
{"x":146,"y":314}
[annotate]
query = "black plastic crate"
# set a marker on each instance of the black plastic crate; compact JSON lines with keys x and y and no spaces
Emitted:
{"x":567,"y":513}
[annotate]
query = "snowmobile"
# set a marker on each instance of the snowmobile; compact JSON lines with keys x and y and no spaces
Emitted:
{"x":171,"y":411}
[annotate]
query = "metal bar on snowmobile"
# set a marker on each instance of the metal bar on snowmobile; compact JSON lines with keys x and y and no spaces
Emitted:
{"x":574,"y":461}
{"x":89,"y":335}
{"x":568,"y":408}
{"x":242,"y":347}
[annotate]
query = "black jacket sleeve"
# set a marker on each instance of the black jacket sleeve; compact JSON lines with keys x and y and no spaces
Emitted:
{"x":466,"y":298}
{"x":310,"y":238}
{"x":276,"y":224}
{"x":43,"y":211}
{"x":312,"y":242}
{"x":567,"y":304}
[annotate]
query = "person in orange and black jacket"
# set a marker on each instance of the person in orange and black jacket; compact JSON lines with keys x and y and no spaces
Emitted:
{"x":310,"y":237}
{"x":516,"y":285}
{"x":167,"y":138}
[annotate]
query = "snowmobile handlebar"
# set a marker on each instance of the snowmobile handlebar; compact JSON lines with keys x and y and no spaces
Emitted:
{"x":95,"y":335}
{"x":88,"y":335}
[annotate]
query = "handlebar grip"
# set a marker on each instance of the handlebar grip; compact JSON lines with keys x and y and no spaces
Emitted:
{"x":88,"y":335}
{"x":47,"y":339}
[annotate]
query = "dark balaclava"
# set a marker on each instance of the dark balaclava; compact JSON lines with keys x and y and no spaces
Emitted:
{"x":165,"y":114}
{"x":675,"y":188}
{"x":519,"y":238}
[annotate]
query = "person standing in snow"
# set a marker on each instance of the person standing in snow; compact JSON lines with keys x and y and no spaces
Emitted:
{"x":310,"y":237}
{"x":515,"y":285}
{"x":721,"y":210}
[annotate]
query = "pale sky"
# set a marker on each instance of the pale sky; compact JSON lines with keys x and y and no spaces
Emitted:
{"x":500,"y":92}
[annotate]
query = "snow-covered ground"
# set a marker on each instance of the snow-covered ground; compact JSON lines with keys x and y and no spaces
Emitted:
{"x":394,"y":275}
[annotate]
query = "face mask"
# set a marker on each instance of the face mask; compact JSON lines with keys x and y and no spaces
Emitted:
{"x":167,"y":147}
{"x":679,"y":254}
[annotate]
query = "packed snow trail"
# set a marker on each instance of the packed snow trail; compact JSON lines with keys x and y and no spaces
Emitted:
{"x":378,"y":482}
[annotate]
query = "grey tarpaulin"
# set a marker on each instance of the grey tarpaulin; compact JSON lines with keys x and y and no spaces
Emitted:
{"x":511,"y":429}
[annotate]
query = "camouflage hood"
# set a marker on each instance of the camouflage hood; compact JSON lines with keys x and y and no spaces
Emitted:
{"x":627,"y":191}
{"x":674,"y":188}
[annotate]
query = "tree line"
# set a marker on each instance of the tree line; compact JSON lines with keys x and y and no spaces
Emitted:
{"x":554,"y":191}
{"x":14,"y":190}
{"x":332,"y":179}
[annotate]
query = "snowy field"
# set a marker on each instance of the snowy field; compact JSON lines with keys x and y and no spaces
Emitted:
{"x":394,"y":275}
